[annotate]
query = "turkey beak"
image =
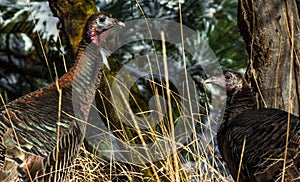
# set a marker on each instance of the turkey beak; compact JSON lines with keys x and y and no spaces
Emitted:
{"x":119,"y":23}
{"x":217,"y":80}
{"x":209,"y":80}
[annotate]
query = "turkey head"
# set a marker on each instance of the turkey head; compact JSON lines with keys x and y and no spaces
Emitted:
{"x":98,"y":26}
{"x":233,"y":81}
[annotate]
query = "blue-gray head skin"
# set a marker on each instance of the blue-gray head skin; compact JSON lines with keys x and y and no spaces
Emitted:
{"x":233,"y":81}
{"x":98,"y":26}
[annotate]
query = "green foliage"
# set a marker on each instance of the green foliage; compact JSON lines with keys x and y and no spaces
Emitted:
{"x":27,"y":32}
{"x":215,"y":20}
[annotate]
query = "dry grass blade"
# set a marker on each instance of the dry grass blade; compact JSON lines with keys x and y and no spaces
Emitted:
{"x":290,"y":30}
{"x":241,"y":160}
{"x":198,"y":166}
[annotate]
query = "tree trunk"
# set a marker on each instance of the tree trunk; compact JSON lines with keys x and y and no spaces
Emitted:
{"x":72,"y":15}
{"x":270,"y":29}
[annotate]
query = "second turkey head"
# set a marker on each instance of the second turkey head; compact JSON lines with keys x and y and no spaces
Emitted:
{"x":98,"y":26}
{"x":233,"y":81}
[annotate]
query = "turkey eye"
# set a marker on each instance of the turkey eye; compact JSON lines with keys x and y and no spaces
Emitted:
{"x":102,"y":19}
{"x":227,"y":77}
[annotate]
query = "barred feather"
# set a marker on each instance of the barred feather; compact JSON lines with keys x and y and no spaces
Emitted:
{"x":265,"y":133}
{"x":29,"y":125}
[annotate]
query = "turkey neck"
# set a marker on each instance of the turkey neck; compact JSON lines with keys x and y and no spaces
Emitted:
{"x":83,"y":78}
{"x":78,"y":87}
{"x":237,"y":104}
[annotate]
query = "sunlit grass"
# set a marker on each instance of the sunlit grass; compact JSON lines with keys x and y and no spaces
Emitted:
{"x":192,"y":161}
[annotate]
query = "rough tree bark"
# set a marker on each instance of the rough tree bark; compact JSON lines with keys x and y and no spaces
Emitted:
{"x":72,"y":15}
{"x":270,"y":29}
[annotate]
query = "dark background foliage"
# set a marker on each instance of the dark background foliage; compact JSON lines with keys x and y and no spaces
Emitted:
{"x":34,"y":50}
{"x":25,"y":27}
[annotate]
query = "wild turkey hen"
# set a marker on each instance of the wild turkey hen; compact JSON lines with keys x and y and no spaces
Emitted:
{"x":264,"y":131}
{"x":40,"y":137}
